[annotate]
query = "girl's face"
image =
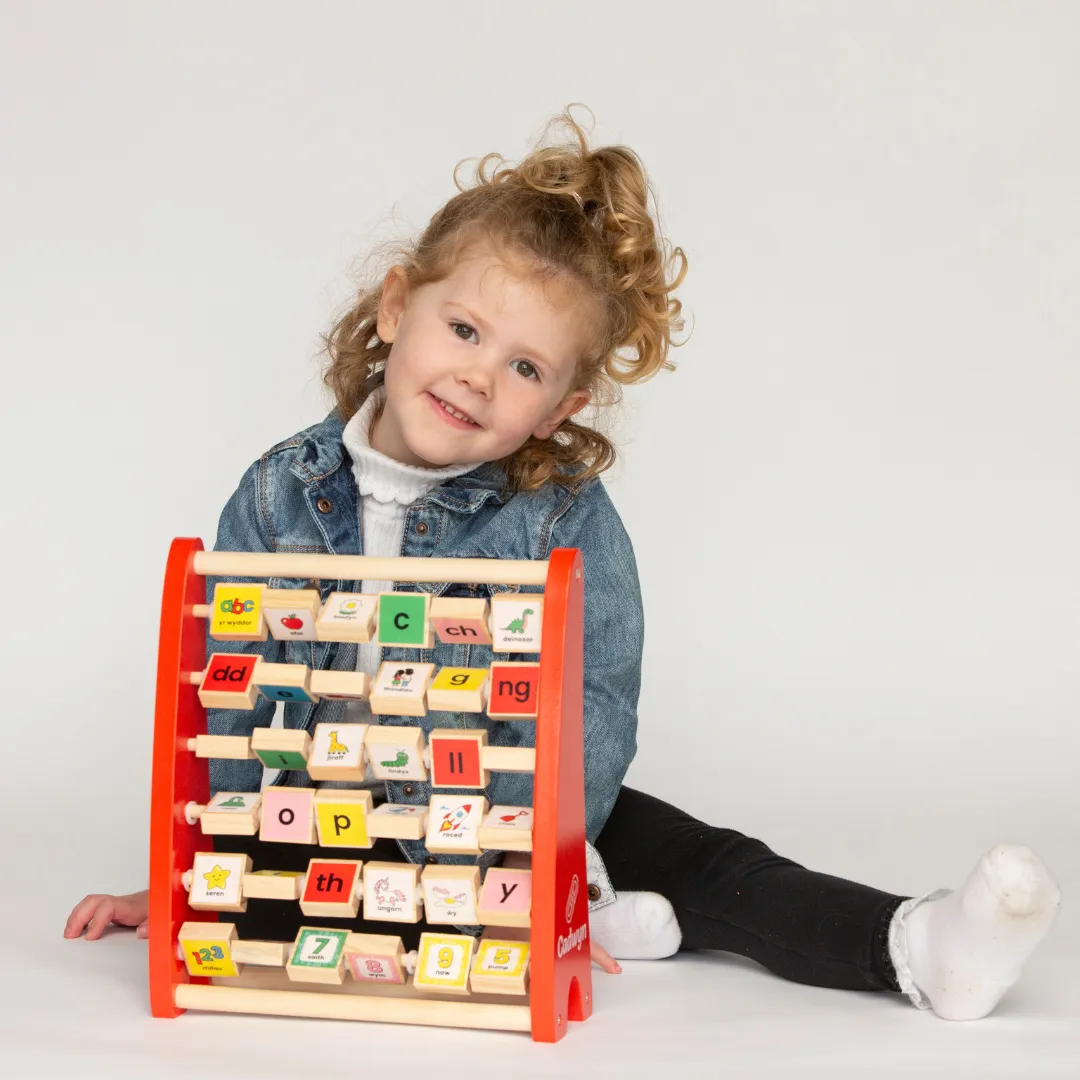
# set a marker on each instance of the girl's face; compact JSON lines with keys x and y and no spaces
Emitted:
{"x":479,"y":361}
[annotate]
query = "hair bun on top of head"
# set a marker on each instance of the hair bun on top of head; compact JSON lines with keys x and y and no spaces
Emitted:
{"x":606,"y":244}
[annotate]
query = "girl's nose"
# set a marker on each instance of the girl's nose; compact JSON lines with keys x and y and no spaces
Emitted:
{"x":478,"y":375}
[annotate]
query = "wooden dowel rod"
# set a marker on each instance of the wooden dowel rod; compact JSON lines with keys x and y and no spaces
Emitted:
{"x":509,"y":758}
{"x":384,"y":1010}
{"x":263,"y":564}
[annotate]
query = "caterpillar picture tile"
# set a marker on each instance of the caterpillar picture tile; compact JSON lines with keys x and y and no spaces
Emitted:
{"x":395,"y":752}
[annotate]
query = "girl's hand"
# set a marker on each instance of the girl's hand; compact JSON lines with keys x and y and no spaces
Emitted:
{"x":97,"y":911}
{"x":601,"y":956}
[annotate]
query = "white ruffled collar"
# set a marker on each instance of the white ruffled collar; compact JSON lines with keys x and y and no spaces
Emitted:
{"x":381,"y":477}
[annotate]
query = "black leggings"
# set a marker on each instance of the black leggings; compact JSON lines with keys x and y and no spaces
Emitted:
{"x":732,"y":893}
{"x":729,"y":893}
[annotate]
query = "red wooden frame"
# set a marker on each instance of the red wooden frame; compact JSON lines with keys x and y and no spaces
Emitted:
{"x":179,"y":777}
{"x":560,"y":965}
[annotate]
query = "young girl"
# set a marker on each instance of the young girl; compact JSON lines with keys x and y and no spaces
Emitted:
{"x":457,"y":378}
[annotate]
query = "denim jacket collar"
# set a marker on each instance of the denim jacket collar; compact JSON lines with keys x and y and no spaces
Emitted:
{"x":320,"y":452}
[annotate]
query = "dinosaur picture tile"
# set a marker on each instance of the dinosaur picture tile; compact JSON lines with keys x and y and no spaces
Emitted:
{"x":517,"y":622}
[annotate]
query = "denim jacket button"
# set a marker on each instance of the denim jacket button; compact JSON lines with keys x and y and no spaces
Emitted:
{"x":408,"y":789}
{"x":324,"y":506}
{"x":421,"y":528}
{"x":594,"y":892}
{"x":430,"y":860}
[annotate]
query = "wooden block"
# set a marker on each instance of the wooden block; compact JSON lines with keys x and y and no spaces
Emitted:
{"x":232,"y":813}
{"x":458,"y":690}
{"x":444,"y":962}
{"x":455,"y":755}
{"x":330,"y":890}
{"x":509,"y":759}
{"x":375,"y":958}
{"x":341,"y":685}
{"x":347,"y":617}
{"x":515,"y":690}
{"x":460,"y":620}
{"x":500,"y":967}
{"x":397,"y":821}
{"x":288,"y":815}
{"x":273,"y":885}
{"x":236,"y":612}
{"x":395,"y":752}
{"x":507,"y":828}
{"x":454,"y":823}
{"x":403,"y":620}
{"x":207,"y":948}
{"x":505,"y":897}
{"x":217,"y":881}
{"x":517,"y":622}
{"x":227,"y":682}
{"x":290,"y":613}
{"x":341,"y":816}
{"x":450,"y":894}
{"x":337,"y":752}
{"x":284,"y":682}
{"x":235,"y":747}
{"x":260,"y":953}
{"x":392,"y":891}
{"x":399,"y":688}
{"x":318,"y":956}
{"x":281,"y":748}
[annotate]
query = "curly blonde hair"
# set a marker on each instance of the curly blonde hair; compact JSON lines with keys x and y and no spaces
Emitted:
{"x":572,"y":213}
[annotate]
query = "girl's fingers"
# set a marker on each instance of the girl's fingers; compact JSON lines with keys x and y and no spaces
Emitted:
{"x":100,"y":919}
{"x":144,"y":929}
{"x":81,"y":914}
{"x":601,"y":956}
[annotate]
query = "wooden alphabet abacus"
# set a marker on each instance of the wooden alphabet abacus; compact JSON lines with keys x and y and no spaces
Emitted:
{"x":196,"y":959}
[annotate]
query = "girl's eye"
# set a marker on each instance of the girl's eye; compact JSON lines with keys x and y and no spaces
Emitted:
{"x":530,"y":371}
{"x":463,"y":330}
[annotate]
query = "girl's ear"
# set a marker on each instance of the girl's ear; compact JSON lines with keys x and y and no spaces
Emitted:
{"x":395,"y":291}
{"x":571,"y":404}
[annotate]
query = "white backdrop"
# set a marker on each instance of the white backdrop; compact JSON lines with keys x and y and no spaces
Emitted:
{"x":854,"y":504}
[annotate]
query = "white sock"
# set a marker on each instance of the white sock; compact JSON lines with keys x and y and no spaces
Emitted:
{"x":958,"y":952}
{"x":638,"y":926}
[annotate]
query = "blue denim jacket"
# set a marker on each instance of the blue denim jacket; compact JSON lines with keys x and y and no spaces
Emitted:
{"x":301,"y":496}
